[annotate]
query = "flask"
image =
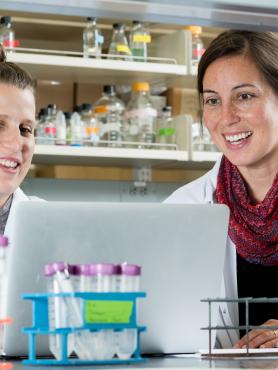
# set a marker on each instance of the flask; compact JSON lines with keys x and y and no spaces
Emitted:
{"x":92,"y":39}
{"x":109,"y":111}
{"x":140,"y":116}
{"x":61,"y":128}
{"x":197,"y":48}
{"x":139,"y":39}
{"x":126,"y":339}
{"x":7,"y":35}
{"x":119,"y":44}
{"x":167,"y":129}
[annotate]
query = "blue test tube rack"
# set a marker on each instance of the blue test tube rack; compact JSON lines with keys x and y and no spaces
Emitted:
{"x":40,"y":326}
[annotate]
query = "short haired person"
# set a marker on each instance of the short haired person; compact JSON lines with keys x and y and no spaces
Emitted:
{"x":17,"y":123}
{"x":238,"y":87}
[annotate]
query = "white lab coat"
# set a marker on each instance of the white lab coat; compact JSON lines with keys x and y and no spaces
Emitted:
{"x":202,"y":190}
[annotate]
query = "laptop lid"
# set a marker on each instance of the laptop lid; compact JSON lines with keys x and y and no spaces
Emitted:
{"x":180,"y":248}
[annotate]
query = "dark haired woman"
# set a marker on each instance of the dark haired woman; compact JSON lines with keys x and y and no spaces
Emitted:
{"x":17,"y":123}
{"x":238,"y":87}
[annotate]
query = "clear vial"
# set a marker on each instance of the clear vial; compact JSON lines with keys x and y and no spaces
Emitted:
{"x":49,"y":127}
{"x":126,"y":339}
{"x":197,"y":48}
{"x":139,"y":39}
{"x":140,"y":116}
{"x":92,"y":39}
{"x":167,"y":128}
{"x":76,"y":129}
{"x":61,"y":128}
{"x":119,"y":44}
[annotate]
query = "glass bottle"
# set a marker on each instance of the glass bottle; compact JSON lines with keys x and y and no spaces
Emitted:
{"x":139,"y":39}
{"x":119,"y":44}
{"x":109,"y":111}
{"x":92,"y":39}
{"x":49,"y":127}
{"x":40,"y":133}
{"x":140,"y":116}
{"x":7,"y":35}
{"x":197,"y":48}
{"x":61,"y":128}
{"x":167,"y":129}
{"x":91,"y":127}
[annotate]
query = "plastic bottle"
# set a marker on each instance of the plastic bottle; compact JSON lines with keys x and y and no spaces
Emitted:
{"x":7,"y":35}
{"x":167,"y":129}
{"x":92,"y":39}
{"x":197,"y":48}
{"x":139,"y":39}
{"x":109,"y":111}
{"x":119,"y":44}
{"x":140,"y":116}
{"x":68,"y":129}
{"x":91,"y":127}
{"x":76,"y":129}
{"x":49,"y":127}
{"x":40,"y":127}
{"x":126,"y":339}
{"x":61,"y":128}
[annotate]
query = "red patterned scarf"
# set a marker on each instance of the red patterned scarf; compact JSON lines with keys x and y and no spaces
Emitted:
{"x":252,"y":228}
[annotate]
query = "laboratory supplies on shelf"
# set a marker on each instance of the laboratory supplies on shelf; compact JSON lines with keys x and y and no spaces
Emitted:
{"x":139,"y":38}
{"x":197,"y":48}
{"x":201,"y":139}
{"x":91,"y":133}
{"x":7,"y":35}
{"x":109,"y":111}
{"x":92,"y":39}
{"x":86,"y":315}
{"x":166,"y":128}
{"x":61,"y":128}
{"x":119,"y":44}
{"x":140,"y":115}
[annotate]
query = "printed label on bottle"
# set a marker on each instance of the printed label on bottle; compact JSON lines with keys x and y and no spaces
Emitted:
{"x":101,"y":109}
{"x":92,"y":130}
{"x":50,"y":131}
{"x":146,"y":39}
{"x":141,"y":113}
{"x":108,"y":312}
{"x":123,"y":49}
{"x":167,"y":131}
{"x":11,"y":43}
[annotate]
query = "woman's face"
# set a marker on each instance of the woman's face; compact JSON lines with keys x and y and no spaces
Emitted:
{"x":241,"y":112}
{"x":17,"y":122}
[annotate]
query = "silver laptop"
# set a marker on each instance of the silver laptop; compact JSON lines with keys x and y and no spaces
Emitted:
{"x":180,"y":248}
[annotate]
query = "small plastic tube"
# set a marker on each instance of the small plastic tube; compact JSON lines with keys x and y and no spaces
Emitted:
{"x":126,"y":339}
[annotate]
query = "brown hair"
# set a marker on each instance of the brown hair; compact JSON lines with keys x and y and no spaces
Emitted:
{"x":261,"y":47}
{"x":12,"y":74}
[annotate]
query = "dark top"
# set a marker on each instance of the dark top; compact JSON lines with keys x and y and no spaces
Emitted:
{"x":255,"y":281}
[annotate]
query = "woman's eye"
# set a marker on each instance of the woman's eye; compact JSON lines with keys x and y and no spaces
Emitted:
{"x":211,"y":101}
{"x":245,"y":96}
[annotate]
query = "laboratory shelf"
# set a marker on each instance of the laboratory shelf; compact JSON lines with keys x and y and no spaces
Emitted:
{"x":101,"y":156}
{"x":47,"y":66}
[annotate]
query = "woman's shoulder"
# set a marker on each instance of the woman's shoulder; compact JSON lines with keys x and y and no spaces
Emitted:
{"x":200,"y":190}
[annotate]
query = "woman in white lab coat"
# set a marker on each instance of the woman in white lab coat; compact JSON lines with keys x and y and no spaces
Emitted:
{"x":238,"y":88}
{"x":17,"y":123}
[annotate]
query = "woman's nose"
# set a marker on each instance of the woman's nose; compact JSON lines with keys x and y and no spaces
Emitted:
{"x":229,"y":114}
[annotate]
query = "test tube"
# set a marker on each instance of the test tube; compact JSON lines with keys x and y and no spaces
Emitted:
{"x":126,"y":339}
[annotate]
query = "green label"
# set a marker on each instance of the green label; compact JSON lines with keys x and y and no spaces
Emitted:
{"x":99,"y":312}
{"x":167,"y":131}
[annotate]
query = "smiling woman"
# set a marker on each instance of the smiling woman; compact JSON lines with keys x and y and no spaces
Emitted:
{"x":17,"y":122}
{"x":238,"y":88}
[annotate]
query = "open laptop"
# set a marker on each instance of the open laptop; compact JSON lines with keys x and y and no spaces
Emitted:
{"x":180,"y":248}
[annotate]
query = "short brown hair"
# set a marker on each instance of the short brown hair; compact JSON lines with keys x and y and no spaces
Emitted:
{"x":261,"y":47}
{"x":12,"y":74}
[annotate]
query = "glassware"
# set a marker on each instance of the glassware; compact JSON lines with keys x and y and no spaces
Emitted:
{"x":119,"y":44}
{"x":92,"y":39}
{"x":197,"y":48}
{"x":166,"y":128}
{"x":139,"y":39}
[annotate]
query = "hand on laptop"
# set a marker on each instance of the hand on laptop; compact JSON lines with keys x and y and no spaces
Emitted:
{"x":261,"y":338}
